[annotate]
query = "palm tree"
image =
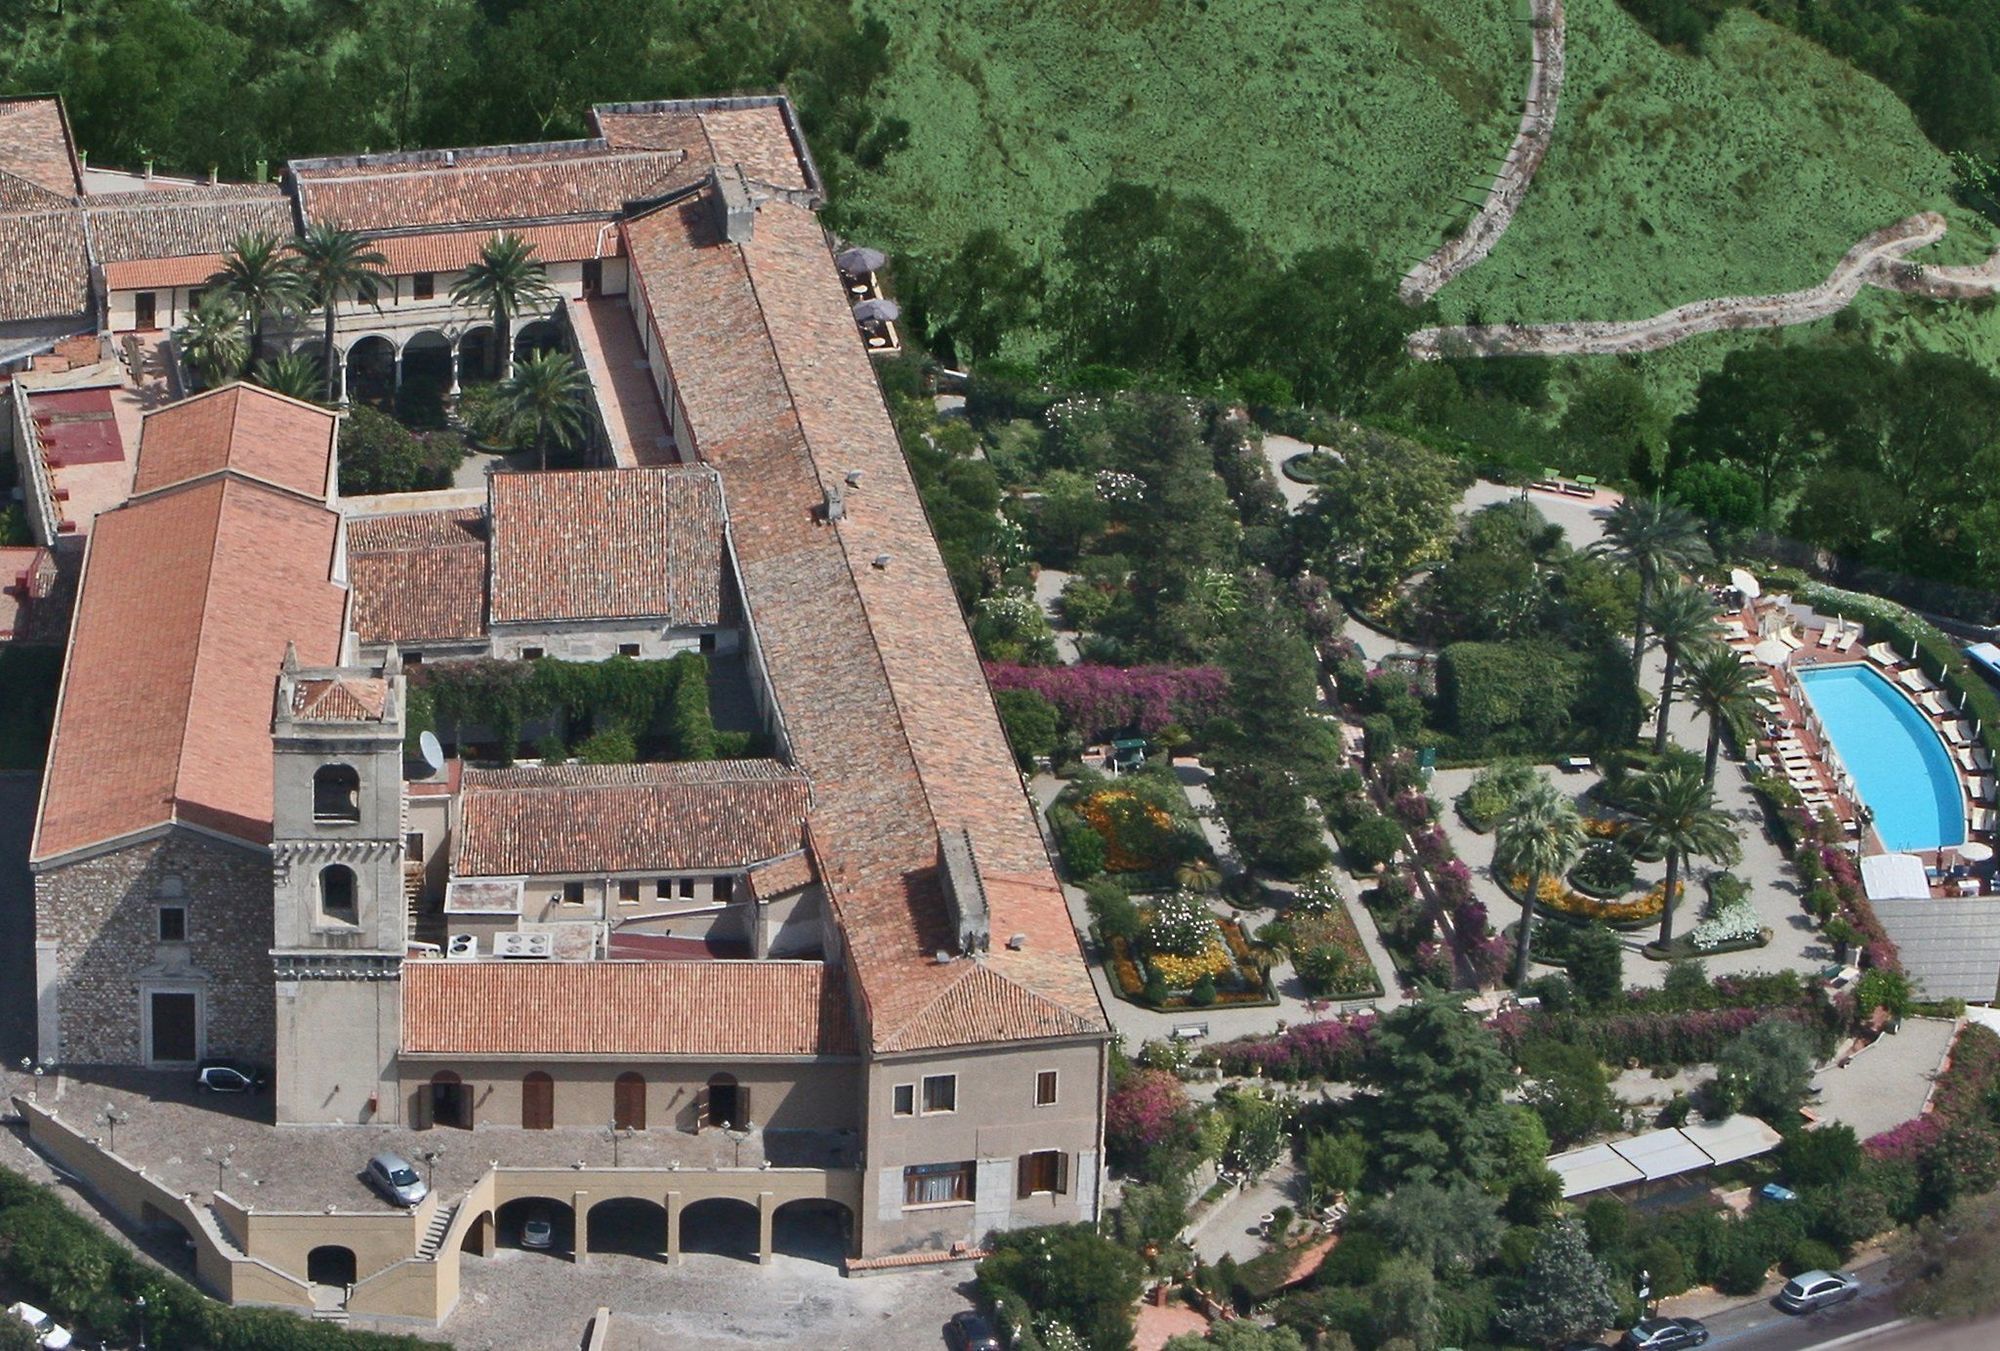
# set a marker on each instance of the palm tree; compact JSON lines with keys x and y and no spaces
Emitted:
{"x":507,"y":279}
{"x":333,"y":263}
{"x":546,"y":395}
{"x":1198,"y":875}
{"x":1683,"y":621}
{"x":1720,"y":684}
{"x":1540,"y":836}
{"x":212,"y":340}
{"x":262,"y":277}
{"x":1677,"y":816}
{"x":1654,"y":537}
{"x":294,"y":374}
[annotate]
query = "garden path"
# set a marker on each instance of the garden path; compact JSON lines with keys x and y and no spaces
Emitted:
{"x":1278,"y":449}
{"x":1232,"y":1228}
{"x":1049,"y":583}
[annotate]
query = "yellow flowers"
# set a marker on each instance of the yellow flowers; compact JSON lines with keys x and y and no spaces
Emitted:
{"x":1181,"y":972}
{"x":1558,"y":896}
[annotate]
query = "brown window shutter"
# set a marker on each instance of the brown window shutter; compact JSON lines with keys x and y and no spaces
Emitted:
{"x":1062,"y":1174}
{"x":743,"y":1117}
{"x":1024,"y":1176}
{"x":700,"y":1108}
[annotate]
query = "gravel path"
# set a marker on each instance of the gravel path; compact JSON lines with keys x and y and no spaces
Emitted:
{"x":1524,"y":157}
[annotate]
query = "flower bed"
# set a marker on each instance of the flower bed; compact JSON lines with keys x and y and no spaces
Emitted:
{"x":1962,"y":1091}
{"x":1604,"y":869}
{"x":1556,"y":897}
{"x":1330,"y":1048}
{"x":1240,"y":979}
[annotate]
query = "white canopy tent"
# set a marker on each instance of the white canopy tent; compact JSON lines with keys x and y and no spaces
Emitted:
{"x":1894,"y":877}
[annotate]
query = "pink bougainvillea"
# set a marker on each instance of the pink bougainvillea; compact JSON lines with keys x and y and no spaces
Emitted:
{"x":1101,"y":700}
{"x":1330,"y":1048}
{"x":1147,"y":1109}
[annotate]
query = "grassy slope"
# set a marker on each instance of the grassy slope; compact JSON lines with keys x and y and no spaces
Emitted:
{"x":1319,"y":122}
{"x":1751,"y":168}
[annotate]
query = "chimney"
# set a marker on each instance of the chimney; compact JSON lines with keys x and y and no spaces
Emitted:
{"x":735,"y":212}
{"x":451,"y":158}
{"x":836,"y":503}
{"x":964,"y":891}
{"x":214,"y":175}
{"x":263,"y":170}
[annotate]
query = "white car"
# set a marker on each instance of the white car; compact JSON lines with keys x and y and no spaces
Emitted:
{"x":54,"y":1336}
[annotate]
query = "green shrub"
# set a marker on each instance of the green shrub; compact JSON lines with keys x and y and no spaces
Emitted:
{"x":1203,"y":993}
{"x":1809,"y":1254}
{"x":1033,"y":726}
{"x":1111,"y":906}
{"x":612,"y":746}
{"x":1371,"y":840}
{"x":377,"y":454}
{"x":1604,"y":868}
{"x":1489,"y":795}
{"x":1082,"y":848}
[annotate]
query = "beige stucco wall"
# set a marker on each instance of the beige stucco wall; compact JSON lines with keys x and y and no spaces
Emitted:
{"x":599,"y":641}
{"x":784,"y":1094}
{"x":337,"y":1043}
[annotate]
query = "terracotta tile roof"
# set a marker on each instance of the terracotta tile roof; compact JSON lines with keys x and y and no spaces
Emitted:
{"x":44,"y":266}
{"x":625,"y":1009}
{"x":484,"y":186}
{"x":188,"y":599}
{"x":18,"y":194}
{"x":583,"y":819}
{"x":884,"y":702}
{"x":142,"y":274}
{"x":35,"y":145}
{"x":346,"y":699}
{"x":241,"y":427}
{"x":608,"y":544}
{"x":759,"y":133}
{"x":455,"y":250}
{"x":792,"y":873}
{"x":176,"y":222}
{"x":419,"y":576}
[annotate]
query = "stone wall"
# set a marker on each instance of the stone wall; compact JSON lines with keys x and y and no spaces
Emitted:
{"x":103,"y":915}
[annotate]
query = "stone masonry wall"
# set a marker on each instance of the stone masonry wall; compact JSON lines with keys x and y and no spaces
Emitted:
{"x":103,"y":912}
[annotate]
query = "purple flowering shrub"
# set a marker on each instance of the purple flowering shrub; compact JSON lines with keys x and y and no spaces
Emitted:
{"x":1100,"y":700}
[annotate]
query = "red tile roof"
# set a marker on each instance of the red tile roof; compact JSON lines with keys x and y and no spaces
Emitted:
{"x":188,"y":599}
{"x":455,"y":250}
{"x":582,"y":819}
{"x":343,"y":699}
{"x":46,"y":269}
{"x":757,"y":132}
{"x":781,"y":875}
{"x":608,"y":544}
{"x":483,"y":186}
{"x":241,"y":427}
{"x":178,"y":222}
{"x":35,"y":145}
{"x":883,"y":699}
{"x":142,"y":274}
{"x":625,"y":1009}
{"x":419,"y":576}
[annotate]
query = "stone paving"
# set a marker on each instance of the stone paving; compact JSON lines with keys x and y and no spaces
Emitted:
{"x":1049,"y":584}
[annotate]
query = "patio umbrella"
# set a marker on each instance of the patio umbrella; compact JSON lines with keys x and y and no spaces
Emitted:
{"x":876,"y":311}
{"x":856,"y":262}
{"x":1745,"y":583}
{"x":1973,"y":851}
{"x":1771,"y":652}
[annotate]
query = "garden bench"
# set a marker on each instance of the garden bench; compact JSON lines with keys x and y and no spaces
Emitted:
{"x":1190,"y":1031}
{"x":1575,"y":764}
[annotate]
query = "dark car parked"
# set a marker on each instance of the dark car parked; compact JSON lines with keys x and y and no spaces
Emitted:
{"x":970,"y":1332}
{"x":1663,"y":1334}
{"x":229,"y":1076}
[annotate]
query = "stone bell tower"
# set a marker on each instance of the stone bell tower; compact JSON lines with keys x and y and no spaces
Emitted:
{"x":341,"y":919}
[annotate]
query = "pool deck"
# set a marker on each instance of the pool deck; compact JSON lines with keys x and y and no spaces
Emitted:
{"x":1800,"y":730}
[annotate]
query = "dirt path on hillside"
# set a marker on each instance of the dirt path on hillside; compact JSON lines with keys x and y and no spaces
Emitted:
{"x":1880,"y":259}
{"x":1524,"y":156}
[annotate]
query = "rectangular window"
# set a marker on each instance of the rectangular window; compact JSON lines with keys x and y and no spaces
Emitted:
{"x":413,"y":659}
{"x":687,"y":888}
{"x":173,"y":924}
{"x":628,"y":649}
{"x":413,"y":847}
{"x":905,"y":1100}
{"x":722,"y":888}
{"x":423,"y":286}
{"x":1043,"y":1173}
{"x":145,"y":310}
{"x":572,"y":893}
{"x":940,"y":1093}
{"x":531,"y":654}
{"x":1045,"y":1089}
{"x":937,"y":1184}
{"x":708,"y":642}
{"x":195,"y":295}
{"x":628,"y":893}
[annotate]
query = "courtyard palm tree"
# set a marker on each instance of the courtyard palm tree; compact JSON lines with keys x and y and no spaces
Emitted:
{"x":335,"y":263}
{"x":212,"y":340}
{"x":1540,"y":836}
{"x":293,"y":374}
{"x":1655,"y":538}
{"x":1677,"y":816}
{"x":546,"y":396}
{"x":1683,"y":621}
{"x":506,"y":279}
{"x":261,"y":276}
{"x":1721,"y":685}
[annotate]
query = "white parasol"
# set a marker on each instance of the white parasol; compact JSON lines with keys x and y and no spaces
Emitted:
{"x":1973,"y":851}
{"x":1771,"y":652}
{"x":1745,"y":583}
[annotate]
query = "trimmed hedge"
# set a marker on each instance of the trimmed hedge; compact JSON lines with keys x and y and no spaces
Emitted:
{"x":662,"y":704}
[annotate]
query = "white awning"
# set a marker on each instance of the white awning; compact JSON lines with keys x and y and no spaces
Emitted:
{"x":1894,"y":877}
{"x":1592,"y":1169}
{"x":1738,"y":1137}
{"x":1662,"y":1154}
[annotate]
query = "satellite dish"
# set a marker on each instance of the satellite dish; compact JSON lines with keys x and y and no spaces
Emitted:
{"x":430,"y":752}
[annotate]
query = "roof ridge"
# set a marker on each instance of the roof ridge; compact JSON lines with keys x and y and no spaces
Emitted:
{"x":979,"y":971}
{"x":206,"y":614}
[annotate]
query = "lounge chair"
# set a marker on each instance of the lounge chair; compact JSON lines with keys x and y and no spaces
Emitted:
{"x":1933,"y":704}
{"x":1982,"y":759}
{"x":1827,"y":634}
{"x":1958,"y":733}
{"x":1884,"y":655}
{"x":1981,"y":788}
{"x":1916,"y":681}
{"x":1982,"y":819}
{"x":1790,"y":638}
{"x":1848,"y":637}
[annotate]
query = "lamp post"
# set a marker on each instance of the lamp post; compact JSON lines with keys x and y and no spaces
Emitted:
{"x":1645,"y":1279}
{"x":430,"y":1158}
{"x":617,"y":1133}
{"x":112,"y":1116}
{"x":221,"y":1159}
{"x":737,"y":1135}
{"x":141,"y":1303}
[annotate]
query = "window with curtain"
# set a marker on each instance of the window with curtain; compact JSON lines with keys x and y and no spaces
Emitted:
{"x":931,"y":1184}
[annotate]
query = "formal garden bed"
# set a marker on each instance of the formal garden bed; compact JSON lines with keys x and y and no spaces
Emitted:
{"x":1729,"y":923}
{"x":1318,"y":931}
{"x":1311,"y":467}
{"x":1138,"y":826}
{"x":1185,"y":956}
{"x":1557,"y":898}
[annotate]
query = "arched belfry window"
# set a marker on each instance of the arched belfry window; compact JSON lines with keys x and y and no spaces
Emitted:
{"x":336,"y":793}
{"x":337,"y":894}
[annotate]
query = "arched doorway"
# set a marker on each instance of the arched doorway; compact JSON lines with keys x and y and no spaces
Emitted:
{"x":451,"y":1101}
{"x":371,"y":371}
{"x":427,"y":379}
{"x":816,"y":1230}
{"x":538,"y":1101}
{"x":725,"y":1103}
{"x":628,"y":1102}
{"x":723,"y":1226}
{"x":630,"y":1225}
{"x":330,"y":1265}
{"x":474,"y":348}
{"x":519,"y":1224}
{"x":537,"y":337}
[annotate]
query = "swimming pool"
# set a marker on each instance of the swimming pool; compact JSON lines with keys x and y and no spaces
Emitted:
{"x":1898,"y":762}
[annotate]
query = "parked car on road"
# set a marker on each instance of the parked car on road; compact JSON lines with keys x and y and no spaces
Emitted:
{"x":395,"y":1178}
{"x":51,"y":1335}
{"x":1810,"y":1290}
{"x":1663,"y":1334}
{"x":969,"y":1331}
{"x":229,"y":1076}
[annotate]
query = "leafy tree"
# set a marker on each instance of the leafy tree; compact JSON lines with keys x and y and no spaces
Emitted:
{"x":1330,"y":323}
{"x":1613,"y":426}
{"x":1596,"y":965}
{"x":1153,"y":1213}
{"x":1071,"y":1273}
{"x":1454,"y":1228}
{"x":1239,"y":1334}
{"x":335,"y":263}
{"x":293,"y":374}
{"x":1494,"y":584}
{"x":1404,"y":1300}
{"x":1435,"y":1078}
{"x":262,"y":277}
{"x":1827,"y":1157}
{"x":1683,"y":622}
{"x":1385,"y":510}
{"x":1677,"y":818}
{"x":377,"y":454}
{"x":1032,"y":723}
{"x":972,"y":301}
{"x":1539,"y":836}
{"x":212,"y":340}
{"x":1568,"y":1089}
{"x":505,"y":280}
{"x":1333,"y":1163}
{"x":1565,"y":1292}
{"x":1655,"y":539}
{"x":1723,"y":688}
{"x":1767,"y":1068}
{"x":547,"y":395}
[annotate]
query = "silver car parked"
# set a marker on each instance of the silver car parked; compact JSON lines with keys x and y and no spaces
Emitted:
{"x":1810,"y":1290}
{"x":395,"y":1178}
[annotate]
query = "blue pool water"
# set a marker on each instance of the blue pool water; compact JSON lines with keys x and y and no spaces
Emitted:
{"x":1898,"y":762}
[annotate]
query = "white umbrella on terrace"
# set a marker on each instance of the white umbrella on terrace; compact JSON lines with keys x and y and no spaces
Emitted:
{"x":1745,"y":583}
{"x":1771,"y":652}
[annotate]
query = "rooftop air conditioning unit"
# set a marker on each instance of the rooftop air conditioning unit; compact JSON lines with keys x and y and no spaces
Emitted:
{"x":461,"y":947}
{"x":523,"y":947}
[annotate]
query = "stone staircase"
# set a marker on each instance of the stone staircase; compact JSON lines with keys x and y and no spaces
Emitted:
{"x":427,"y":1249}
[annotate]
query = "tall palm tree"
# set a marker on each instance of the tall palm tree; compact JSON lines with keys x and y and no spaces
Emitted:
{"x":1540,"y":836}
{"x":1683,"y":621}
{"x":335,"y":263}
{"x":294,"y":374}
{"x":261,"y":276}
{"x":1654,"y":537}
{"x":1677,"y":816}
{"x":1720,"y":684}
{"x":212,"y":340}
{"x":546,"y":394}
{"x":507,"y":279}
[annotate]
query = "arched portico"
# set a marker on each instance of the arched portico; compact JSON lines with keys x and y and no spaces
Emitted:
{"x":819,"y":1230}
{"x":633,"y":1225}
{"x":369,"y":370}
{"x":724,"y":1226}
{"x":427,"y":368}
{"x":510,"y":1222}
{"x":538,"y":336}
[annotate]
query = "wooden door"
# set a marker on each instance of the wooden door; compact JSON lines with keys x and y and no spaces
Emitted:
{"x":538,"y":1102}
{"x":628,"y":1102}
{"x":174,"y":1027}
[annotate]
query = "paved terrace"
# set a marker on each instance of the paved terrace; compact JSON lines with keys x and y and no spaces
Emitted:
{"x":621,"y":381}
{"x":164,"y":1127}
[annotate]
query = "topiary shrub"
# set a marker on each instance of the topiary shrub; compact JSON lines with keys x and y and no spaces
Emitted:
{"x":1603,"y":869}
